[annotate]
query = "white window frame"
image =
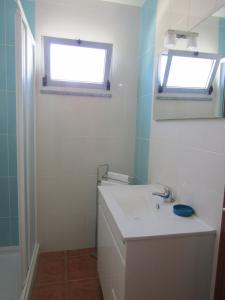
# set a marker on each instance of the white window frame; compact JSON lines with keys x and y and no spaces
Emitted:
{"x":163,"y":89}
{"x":48,"y":82}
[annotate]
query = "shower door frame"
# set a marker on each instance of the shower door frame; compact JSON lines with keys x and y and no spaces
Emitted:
{"x":22,"y":32}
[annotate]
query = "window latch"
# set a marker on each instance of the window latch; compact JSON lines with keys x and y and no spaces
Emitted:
{"x":160,"y":89}
{"x":45,"y":80}
{"x":108,"y":85}
{"x":210,"y":90}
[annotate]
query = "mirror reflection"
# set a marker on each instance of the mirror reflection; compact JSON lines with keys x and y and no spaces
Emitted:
{"x":193,"y":56}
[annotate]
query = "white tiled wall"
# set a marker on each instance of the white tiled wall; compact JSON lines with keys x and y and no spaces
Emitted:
{"x":75,"y":134}
{"x":198,"y":10}
{"x":219,"y":3}
{"x":189,"y":155}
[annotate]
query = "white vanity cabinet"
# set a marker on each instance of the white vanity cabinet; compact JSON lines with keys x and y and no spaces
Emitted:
{"x":111,"y":263}
{"x":161,"y":268}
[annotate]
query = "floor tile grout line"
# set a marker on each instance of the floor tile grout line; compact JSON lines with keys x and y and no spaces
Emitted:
{"x":65,"y":281}
{"x":83,"y":279}
{"x":66,"y":277}
{"x":50,"y":284}
{"x":66,"y":267}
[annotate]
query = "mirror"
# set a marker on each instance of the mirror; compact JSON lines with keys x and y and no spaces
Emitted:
{"x":211,"y":40}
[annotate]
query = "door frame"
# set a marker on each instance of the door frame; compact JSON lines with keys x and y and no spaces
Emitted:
{"x":22,"y":26}
{"x":220,"y":273}
{"x":20,"y":73}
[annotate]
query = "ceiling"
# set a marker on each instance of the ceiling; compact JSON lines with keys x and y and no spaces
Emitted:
{"x":128,"y":2}
{"x":220,"y":13}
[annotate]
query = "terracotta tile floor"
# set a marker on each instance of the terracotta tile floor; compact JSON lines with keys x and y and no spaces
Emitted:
{"x":67,"y":275}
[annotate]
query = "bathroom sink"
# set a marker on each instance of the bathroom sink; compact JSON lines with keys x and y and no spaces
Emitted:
{"x":143,"y":246}
{"x":139,"y":202}
{"x":139,"y":214}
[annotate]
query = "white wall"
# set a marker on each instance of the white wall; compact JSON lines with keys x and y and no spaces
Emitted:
{"x":75,"y":134}
{"x":189,"y":155}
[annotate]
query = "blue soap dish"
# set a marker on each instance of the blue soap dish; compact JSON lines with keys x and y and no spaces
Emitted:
{"x":183,"y":210}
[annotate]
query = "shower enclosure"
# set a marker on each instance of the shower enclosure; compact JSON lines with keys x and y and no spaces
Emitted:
{"x":18,"y":237}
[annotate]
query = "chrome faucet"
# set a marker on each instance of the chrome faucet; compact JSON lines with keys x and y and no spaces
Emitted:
{"x":166,"y":195}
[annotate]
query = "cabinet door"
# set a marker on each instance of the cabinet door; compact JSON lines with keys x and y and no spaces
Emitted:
{"x":104,"y":256}
{"x":111,"y":266}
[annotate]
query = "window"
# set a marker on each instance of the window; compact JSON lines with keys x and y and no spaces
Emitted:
{"x":187,"y":72}
{"x":76,"y":63}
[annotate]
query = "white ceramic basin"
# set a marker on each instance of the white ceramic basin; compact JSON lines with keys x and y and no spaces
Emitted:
{"x":136,"y":214}
{"x":138,"y":202}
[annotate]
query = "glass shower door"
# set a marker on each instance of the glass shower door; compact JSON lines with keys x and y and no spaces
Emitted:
{"x":29,"y":140}
{"x":26,"y":142}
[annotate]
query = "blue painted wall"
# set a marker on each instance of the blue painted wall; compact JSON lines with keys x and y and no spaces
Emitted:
{"x":29,"y":9}
{"x":222,"y":36}
{"x":145,"y":90}
{"x":8,"y":153}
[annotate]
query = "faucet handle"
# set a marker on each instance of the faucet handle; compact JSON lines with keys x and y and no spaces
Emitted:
{"x":166,"y":195}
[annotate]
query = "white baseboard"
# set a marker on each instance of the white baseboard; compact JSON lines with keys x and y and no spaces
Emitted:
{"x":30,"y":275}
